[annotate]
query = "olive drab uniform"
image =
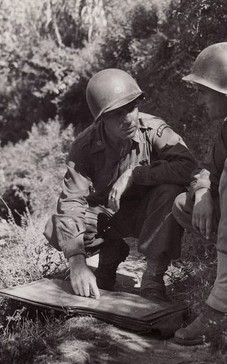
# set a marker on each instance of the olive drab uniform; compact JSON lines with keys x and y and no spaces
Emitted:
{"x":161,"y":165}
{"x":210,"y":70}
{"x":212,"y":175}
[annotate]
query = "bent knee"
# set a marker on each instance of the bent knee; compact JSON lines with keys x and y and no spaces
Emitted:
{"x":180,"y":201}
{"x":168,"y":192}
{"x":164,"y":195}
{"x":182,"y":209}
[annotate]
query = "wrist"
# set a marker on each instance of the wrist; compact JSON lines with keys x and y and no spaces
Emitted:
{"x":128,"y":174}
{"x":201,"y":192}
{"x":77,"y":259}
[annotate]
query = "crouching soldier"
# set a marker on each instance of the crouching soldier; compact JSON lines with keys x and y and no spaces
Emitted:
{"x":205,"y":207}
{"x":123,"y":174}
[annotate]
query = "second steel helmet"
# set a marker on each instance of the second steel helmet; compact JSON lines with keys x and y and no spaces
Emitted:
{"x":110,"y":89}
{"x":210,"y":68}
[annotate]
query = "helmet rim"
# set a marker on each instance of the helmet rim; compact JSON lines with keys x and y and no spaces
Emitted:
{"x":111,"y":89}
{"x":210,"y":68}
{"x":193,"y":78}
{"x":116,"y":105}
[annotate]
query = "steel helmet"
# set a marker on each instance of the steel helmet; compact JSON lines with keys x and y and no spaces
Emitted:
{"x":110,"y":89}
{"x":210,"y":68}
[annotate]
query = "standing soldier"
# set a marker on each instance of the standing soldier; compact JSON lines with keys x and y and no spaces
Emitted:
{"x":205,"y":206}
{"x":124,"y":173}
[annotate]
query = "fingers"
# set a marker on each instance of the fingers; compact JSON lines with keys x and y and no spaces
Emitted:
{"x":208,"y":228}
{"x":77,"y":287}
{"x":203,"y":224}
{"x":202,"y":216}
{"x":114,"y":201}
{"x":111,"y":202}
{"x":95,"y":291}
{"x":119,"y":187}
{"x":114,"y":205}
{"x":85,"y":286}
{"x":195,"y":221}
{"x":199,"y":224}
{"x":76,"y":290}
{"x":85,"y":289}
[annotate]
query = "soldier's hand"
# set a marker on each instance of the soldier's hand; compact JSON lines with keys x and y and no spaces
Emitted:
{"x":119,"y":187}
{"x":202,"y":215}
{"x":83,"y":280}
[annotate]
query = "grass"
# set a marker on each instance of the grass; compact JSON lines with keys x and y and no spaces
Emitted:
{"x":191,"y":280}
{"x":25,"y":254}
{"x":23,"y":340}
{"x":192,"y":277}
{"x":31,"y":336}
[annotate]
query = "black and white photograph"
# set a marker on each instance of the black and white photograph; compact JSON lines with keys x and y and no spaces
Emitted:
{"x":113,"y":182}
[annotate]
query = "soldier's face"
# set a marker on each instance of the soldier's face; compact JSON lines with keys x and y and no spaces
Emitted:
{"x":122,"y":123}
{"x":215,"y":103}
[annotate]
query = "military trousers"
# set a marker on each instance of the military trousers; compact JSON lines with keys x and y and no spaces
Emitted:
{"x":146,"y":216}
{"x":182,"y":210}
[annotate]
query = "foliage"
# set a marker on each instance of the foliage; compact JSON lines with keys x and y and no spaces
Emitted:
{"x":32,"y":170}
{"x":25,"y":254}
{"x":129,"y":25}
{"x":42,"y":77}
{"x":79,"y":340}
{"x":38,"y":83}
{"x":195,"y":269}
{"x":190,"y":27}
{"x":49,"y":50}
{"x":159,"y":50}
{"x":51,"y":47}
{"x":198,"y":25}
{"x":41,"y":59}
{"x":29,"y":339}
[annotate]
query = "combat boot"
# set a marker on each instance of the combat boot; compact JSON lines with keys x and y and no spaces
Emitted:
{"x":156,"y":291}
{"x":114,"y":252}
{"x":153,"y":285}
{"x":209,"y":324}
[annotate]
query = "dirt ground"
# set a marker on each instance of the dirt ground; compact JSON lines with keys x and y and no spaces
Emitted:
{"x":125,"y":347}
{"x":140,"y":350}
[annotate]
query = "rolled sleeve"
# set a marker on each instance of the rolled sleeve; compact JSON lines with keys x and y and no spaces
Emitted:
{"x":69,"y":235}
{"x":68,"y":223}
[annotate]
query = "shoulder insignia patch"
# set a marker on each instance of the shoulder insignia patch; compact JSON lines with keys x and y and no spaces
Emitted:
{"x":161,"y":128}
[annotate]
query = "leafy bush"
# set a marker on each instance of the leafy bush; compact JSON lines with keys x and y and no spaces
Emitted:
{"x":25,"y":254}
{"x":129,"y":25}
{"x":51,"y":48}
{"x":39,"y":59}
{"x":49,"y":51}
{"x":33,"y":169}
{"x":157,"y":43}
{"x":190,"y":27}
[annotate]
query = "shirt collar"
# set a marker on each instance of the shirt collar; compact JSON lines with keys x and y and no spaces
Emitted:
{"x":139,"y":136}
{"x":98,"y":142}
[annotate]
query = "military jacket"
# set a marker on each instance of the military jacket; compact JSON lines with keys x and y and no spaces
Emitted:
{"x":156,"y":154}
{"x":208,"y":174}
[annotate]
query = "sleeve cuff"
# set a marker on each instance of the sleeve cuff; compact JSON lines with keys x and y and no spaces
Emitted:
{"x":70,"y":236}
{"x":73,"y":248}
